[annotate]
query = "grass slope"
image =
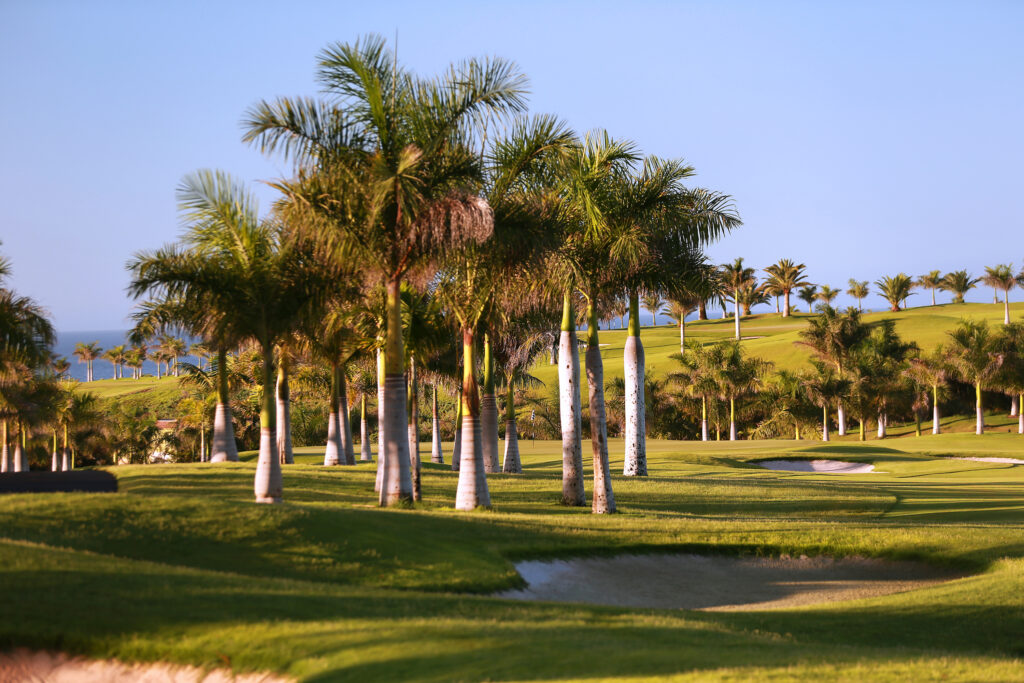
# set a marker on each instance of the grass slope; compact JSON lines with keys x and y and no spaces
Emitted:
{"x":181,"y":566}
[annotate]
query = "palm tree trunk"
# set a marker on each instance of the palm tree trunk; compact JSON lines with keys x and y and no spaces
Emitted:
{"x":635,"y":464}
{"x":268,"y":484}
{"x":511,"y":464}
{"x":917,"y":422}
{"x":732,"y":419}
{"x":824,"y":423}
{"x":703,"y":418}
{"x":365,"y":454}
{"x":570,"y":409}
{"x":284,"y":417}
{"x":1006,"y":307}
{"x":933,"y":296}
{"x":682,"y":333}
{"x":457,"y":439}
{"x":380,"y":420}
{"x":736,"y":311}
{"x":785,"y":303}
{"x":980,"y":427}
{"x":436,"y":452}
{"x":881,"y":425}
{"x":1020,"y":417}
{"x":489,"y":413}
{"x":348,"y":451}
{"x":413,"y":430}
{"x":472,"y":489}
{"x":841,"y":419}
{"x":5,"y":453}
{"x":55,"y":459}
{"x":224,"y":447}
{"x":65,"y":452}
{"x":935,"y":409}
{"x":332,"y":453}
{"x":396,"y":484}
{"x":702,"y":310}
{"x":604,"y":499}
{"x":553,"y":359}
{"x":1013,"y":406}
{"x":202,"y":441}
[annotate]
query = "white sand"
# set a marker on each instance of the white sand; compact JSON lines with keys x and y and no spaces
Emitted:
{"x":1005,"y":461}
{"x":23,"y":665}
{"x":718,"y":582}
{"x":820,"y":466}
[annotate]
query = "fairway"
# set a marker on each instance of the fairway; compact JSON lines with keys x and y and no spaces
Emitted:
{"x":180,"y":566}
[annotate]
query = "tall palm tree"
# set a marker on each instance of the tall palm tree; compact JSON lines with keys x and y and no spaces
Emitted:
{"x":698,"y":376}
{"x":859,"y":291}
{"x":1001,"y":278}
{"x":827,"y":295}
{"x":959,"y":282}
{"x":738,"y":377}
{"x":752,"y":296}
{"x":784,"y":277}
{"x":826,"y":389}
{"x":387,"y":164}
{"x":239,"y":279}
{"x":116,"y":357}
{"x":808,"y":295}
{"x":87,"y":353}
{"x":932,"y":373}
{"x":736,"y":276}
{"x":975,"y":356}
{"x":931,"y":282}
{"x":895,"y":289}
{"x":653,"y":302}
{"x":834,"y":338}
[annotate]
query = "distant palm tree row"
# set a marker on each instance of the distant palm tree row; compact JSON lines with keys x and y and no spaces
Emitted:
{"x":165,"y":351}
{"x":737,"y":284}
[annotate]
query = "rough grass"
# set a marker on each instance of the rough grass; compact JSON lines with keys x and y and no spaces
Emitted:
{"x":181,"y":566}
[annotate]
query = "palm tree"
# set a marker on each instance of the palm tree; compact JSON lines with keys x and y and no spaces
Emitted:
{"x":736,"y":276}
{"x":932,"y":281}
{"x":859,"y":291}
{"x":826,"y":295}
{"x":387,"y":167}
{"x":517,"y":349}
{"x":116,"y":357}
{"x":975,"y":356}
{"x":654,"y":303}
{"x":833,"y":338}
{"x":885,"y":356}
{"x":959,"y":282}
{"x":895,"y":289}
{"x":1001,"y":279}
{"x":699,"y":376}
{"x":1012,"y":376}
{"x":752,"y":296}
{"x":808,"y":295}
{"x":238,"y":278}
{"x":930,"y":372}
{"x":87,"y":353}
{"x":60,"y":367}
{"x":826,"y":389}
{"x":134,"y":358}
{"x":738,"y":377}
{"x":784,"y":277}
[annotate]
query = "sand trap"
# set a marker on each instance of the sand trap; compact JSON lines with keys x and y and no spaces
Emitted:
{"x":23,"y":665}
{"x":718,"y":582}
{"x":1004,"y":461}
{"x":820,"y":466}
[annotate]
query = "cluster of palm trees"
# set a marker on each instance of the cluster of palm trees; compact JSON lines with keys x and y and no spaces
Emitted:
{"x":737,"y":284}
{"x":443,"y":191}
{"x":165,"y":351}
{"x":861,"y":371}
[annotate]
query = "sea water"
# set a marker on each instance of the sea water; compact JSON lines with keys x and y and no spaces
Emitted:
{"x":101,"y":369}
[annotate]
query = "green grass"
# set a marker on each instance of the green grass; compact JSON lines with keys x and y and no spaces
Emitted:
{"x":181,"y":566}
{"x":148,"y":386}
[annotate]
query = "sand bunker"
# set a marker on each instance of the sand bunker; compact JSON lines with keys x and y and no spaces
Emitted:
{"x":23,"y":665}
{"x":820,"y":466}
{"x":1005,"y":461}
{"x":718,"y":582}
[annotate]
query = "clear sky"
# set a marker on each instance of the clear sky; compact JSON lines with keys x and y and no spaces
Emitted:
{"x":862,"y":139}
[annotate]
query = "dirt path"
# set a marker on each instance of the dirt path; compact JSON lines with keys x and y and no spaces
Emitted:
{"x":44,"y":667}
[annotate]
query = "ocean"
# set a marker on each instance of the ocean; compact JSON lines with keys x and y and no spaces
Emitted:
{"x":101,"y":369}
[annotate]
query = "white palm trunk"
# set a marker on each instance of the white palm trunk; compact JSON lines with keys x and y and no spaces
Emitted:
{"x":570,"y":412}
{"x":269,"y":484}
{"x":881,"y":425}
{"x":472,"y":490}
{"x":380,"y":420}
{"x":332,"y":454}
{"x":65,"y":460}
{"x":682,"y":335}
{"x":284,"y":420}
{"x":1020,"y":420}
{"x":841,"y":419}
{"x":436,"y":452}
{"x":224,"y":448}
{"x":55,"y":457}
{"x":511,"y":463}
{"x":489,"y":432}
{"x":736,"y":306}
{"x":365,"y":453}
{"x":20,"y":465}
{"x":732,"y":419}
{"x":457,"y":442}
{"x":633,"y":360}
{"x":396,"y":482}
{"x":604,"y":499}
{"x":1013,"y":406}
{"x":980,"y":415}
{"x":413,"y":432}
{"x":785,"y":303}
{"x":703,"y":418}
{"x":824,"y":423}
{"x":5,"y":457}
{"x":347,"y":456}
{"x":936,"y":428}
{"x":1006,"y":308}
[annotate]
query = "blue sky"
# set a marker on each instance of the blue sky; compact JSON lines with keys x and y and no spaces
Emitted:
{"x":862,"y":139}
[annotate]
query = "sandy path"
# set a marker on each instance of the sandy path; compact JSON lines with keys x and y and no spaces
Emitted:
{"x":820,"y":466}
{"x":718,"y":582}
{"x":1005,"y":461}
{"x":44,"y":667}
